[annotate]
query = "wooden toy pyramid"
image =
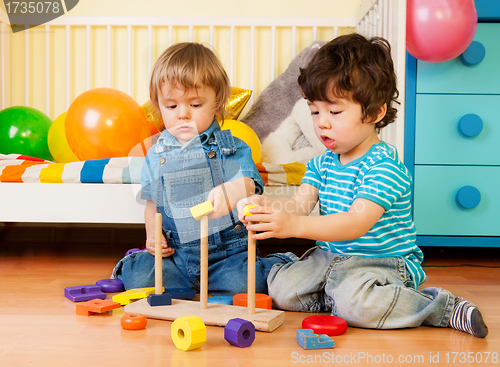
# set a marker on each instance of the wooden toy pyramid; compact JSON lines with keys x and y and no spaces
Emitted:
{"x":210,"y":313}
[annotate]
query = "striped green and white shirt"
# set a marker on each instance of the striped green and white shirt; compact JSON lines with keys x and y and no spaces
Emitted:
{"x":378,"y":176}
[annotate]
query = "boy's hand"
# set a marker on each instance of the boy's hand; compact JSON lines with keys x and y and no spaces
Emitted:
{"x":252,"y":200}
{"x":218,"y":199}
{"x":165,"y":250}
{"x":271,"y":223}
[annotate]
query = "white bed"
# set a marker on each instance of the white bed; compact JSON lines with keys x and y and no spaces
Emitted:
{"x":115,"y":203}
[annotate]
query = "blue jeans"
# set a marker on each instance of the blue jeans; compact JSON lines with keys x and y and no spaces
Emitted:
{"x":366,"y":292}
{"x":227,"y":268}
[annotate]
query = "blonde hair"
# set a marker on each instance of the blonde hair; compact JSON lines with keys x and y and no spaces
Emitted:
{"x":191,"y":65}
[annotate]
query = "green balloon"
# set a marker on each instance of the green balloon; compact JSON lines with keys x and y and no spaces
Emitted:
{"x":24,"y":130}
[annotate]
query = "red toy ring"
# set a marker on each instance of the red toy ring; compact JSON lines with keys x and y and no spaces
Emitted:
{"x":133,"y":322}
{"x":324,"y":324}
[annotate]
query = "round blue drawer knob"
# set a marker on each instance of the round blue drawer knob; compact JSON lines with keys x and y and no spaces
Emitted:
{"x":468,"y":197}
{"x":470,"y":125}
{"x":474,"y":54}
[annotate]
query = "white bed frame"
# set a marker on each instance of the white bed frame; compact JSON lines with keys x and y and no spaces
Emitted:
{"x":108,"y":203}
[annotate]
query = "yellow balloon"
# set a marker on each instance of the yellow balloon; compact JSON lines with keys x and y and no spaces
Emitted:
{"x":58,"y":144}
{"x":245,"y":133}
{"x":237,"y":101}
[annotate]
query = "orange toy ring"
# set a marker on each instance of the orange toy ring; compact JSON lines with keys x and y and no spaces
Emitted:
{"x":133,"y":321}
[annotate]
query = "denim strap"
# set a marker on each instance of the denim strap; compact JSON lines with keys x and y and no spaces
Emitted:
{"x":215,"y":166}
{"x":224,"y":139}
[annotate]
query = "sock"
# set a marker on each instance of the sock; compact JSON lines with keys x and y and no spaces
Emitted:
{"x":467,"y":317}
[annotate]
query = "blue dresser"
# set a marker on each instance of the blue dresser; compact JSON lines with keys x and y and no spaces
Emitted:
{"x":452,"y":141}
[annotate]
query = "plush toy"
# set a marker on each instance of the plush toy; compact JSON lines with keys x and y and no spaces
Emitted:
{"x":281,"y":118}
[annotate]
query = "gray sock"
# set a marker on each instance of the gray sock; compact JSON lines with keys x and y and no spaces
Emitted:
{"x":467,"y":317}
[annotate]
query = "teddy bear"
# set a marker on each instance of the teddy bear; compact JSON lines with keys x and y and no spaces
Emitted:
{"x":281,"y":118}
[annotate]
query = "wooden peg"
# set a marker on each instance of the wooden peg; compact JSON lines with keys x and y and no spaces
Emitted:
{"x":158,"y":254}
{"x":203,"y":261}
{"x":252,"y":250}
{"x":200,"y":212}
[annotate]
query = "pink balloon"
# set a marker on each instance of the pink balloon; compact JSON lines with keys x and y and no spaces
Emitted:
{"x":439,"y":30}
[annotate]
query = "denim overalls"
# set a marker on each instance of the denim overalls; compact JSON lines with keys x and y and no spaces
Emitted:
{"x":185,"y":180}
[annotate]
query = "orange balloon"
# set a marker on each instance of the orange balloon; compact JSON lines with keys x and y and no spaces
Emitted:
{"x":106,"y":123}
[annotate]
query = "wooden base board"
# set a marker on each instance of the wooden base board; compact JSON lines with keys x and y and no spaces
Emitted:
{"x":215,"y":314}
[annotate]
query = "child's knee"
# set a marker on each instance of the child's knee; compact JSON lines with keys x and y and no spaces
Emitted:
{"x":287,"y":293}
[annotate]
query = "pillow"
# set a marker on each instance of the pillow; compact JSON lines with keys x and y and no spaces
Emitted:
{"x":281,"y":118}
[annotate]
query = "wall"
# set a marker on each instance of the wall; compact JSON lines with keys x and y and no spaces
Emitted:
{"x":221,"y":8}
{"x":15,"y":52}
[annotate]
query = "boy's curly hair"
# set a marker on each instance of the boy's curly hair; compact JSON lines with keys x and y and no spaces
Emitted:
{"x":352,"y":66}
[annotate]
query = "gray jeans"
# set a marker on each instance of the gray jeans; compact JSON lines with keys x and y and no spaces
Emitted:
{"x":366,"y":292}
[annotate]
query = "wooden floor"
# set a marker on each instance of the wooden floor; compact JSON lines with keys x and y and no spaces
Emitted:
{"x":39,"y":327}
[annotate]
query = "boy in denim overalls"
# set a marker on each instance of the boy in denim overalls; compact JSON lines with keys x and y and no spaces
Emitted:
{"x":192,"y":162}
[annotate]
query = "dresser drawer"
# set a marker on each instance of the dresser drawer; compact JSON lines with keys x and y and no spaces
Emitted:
{"x":446,"y":128}
{"x":456,"y":77}
{"x":437,"y":211}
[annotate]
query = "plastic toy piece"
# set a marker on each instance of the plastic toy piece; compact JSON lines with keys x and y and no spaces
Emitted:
{"x":84,"y":293}
{"x":246,"y":210}
{"x":201,"y":210}
{"x":188,"y":332}
{"x":133,"y":321}
{"x":181,"y":293}
{"x":308,"y":340}
{"x":239,"y":332}
{"x":133,"y":294}
{"x":164,"y":299}
{"x":95,"y":306}
{"x":261,"y":300}
{"x":221,"y":300}
{"x":325,"y":324}
{"x":111,"y":285}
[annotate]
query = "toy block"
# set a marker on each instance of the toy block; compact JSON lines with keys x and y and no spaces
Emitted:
{"x":325,"y":324}
{"x":188,"y":332}
{"x":111,"y":285}
{"x":131,"y":295}
{"x":84,"y":293}
{"x":164,"y":299}
{"x":246,"y":210}
{"x":261,"y":300}
{"x":95,"y":306}
{"x":221,"y":300}
{"x":133,"y":322}
{"x":239,"y":332}
{"x":181,"y":293}
{"x":201,"y":210}
{"x":308,"y":340}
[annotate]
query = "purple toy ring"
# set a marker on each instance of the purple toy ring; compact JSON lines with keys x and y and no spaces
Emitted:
{"x":111,"y":285}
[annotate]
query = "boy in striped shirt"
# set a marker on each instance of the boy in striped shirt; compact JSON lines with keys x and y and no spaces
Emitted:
{"x":367,"y":267}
